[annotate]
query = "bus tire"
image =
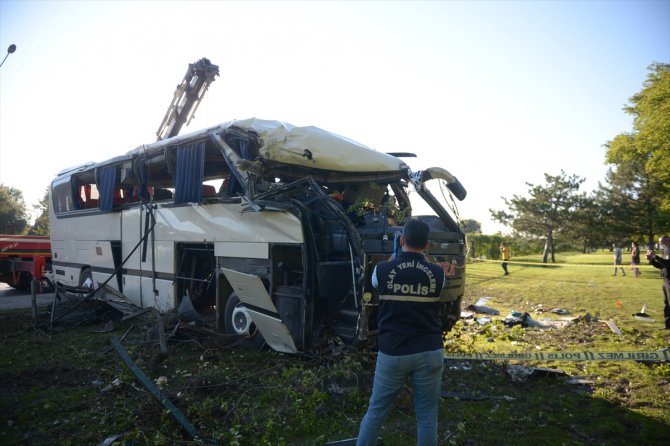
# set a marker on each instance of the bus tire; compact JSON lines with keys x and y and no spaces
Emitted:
{"x":238,"y":321}
{"x":20,"y":281}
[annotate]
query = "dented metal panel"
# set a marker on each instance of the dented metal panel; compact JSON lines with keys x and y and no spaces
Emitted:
{"x":250,"y":290}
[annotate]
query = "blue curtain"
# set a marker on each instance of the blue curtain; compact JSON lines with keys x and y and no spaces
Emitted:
{"x":106,"y":178}
{"x":190,"y":173}
{"x":143,"y":193}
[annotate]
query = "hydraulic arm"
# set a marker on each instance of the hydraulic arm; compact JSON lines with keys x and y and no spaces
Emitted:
{"x":187,"y":97}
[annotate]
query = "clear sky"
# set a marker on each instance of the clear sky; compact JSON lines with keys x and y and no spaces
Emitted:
{"x":496,"y":92}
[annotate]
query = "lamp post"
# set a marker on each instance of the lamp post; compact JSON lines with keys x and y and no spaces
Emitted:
{"x":10,"y":50}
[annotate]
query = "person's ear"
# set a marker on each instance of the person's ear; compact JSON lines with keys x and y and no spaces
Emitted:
{"x":426,"y":246}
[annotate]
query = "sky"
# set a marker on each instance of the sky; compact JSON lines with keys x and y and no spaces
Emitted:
{"x":496,"y":92}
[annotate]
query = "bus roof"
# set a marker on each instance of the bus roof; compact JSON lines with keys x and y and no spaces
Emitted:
{"x":309,"y":147}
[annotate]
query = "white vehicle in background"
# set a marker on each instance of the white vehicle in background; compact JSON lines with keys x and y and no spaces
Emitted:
{"x":270,"y":230}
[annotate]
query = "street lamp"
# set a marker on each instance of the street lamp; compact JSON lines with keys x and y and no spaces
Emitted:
{"x":10,"y":50}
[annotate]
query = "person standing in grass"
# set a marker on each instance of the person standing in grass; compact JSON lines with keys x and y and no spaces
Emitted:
{"x":617,"y":259}
{"x":635,"y":258}
{"x":663,"y":264}
{"x":504,"y":253}
{"x":410,"y":336}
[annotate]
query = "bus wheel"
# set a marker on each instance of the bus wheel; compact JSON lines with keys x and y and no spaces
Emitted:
{"x":20,"y":281}
{"x":237,"y":320}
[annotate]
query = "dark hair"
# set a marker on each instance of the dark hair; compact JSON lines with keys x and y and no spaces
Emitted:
{"x":416,"y":233}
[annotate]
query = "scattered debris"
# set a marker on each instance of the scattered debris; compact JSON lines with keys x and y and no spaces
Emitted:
{"x":483,"y":320}
{"x":135,"y":314}
{"x":472,"y":397}
{"x":552,"y":323}
{"x":560,"y":311}
{"x":154,"y":390}
{"x":187,"y":311}
{"x":109,"y":440}
{"x":161,"y":331}
{"x":613,"y":327}
{"x":586,"y":318}
{"x":347,"y":442}
{"x":520,"y":373}
{"x":483,"y":310}
{"x":108,"y":327}
{"x":459,"y":366}
{"x":514,"y":318}
{"x":117,"y":382}
{"x":580,"y":380}
{"x":643,"y":316}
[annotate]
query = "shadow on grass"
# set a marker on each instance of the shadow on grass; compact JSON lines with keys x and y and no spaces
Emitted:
{"x":485,"y":406}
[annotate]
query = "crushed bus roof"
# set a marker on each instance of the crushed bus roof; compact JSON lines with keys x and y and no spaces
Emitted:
{"x":308,"y":147}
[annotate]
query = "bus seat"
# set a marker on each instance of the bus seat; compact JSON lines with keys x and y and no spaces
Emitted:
{"x":208,"y":191}
{"x":118,"y":199}
{"x":162,"y":194}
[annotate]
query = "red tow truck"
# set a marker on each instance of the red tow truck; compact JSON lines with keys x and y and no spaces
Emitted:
{"x":23,"y":258}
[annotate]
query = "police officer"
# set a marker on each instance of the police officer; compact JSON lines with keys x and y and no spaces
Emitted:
{"x":664,"y":265}
{"x":410,"y":336}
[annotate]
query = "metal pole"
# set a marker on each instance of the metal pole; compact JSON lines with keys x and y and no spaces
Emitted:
{"x":10,"y":50}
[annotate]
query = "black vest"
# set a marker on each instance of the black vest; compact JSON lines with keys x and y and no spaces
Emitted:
{"x":409,"y":305}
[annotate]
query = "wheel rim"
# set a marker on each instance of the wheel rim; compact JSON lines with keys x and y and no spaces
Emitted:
{"x":241,"y":321}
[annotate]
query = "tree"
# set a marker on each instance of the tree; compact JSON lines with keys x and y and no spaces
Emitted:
{"x":642,"y":157}
{"x":586,"y":230}
{"x":13,"y":216}
{"x":471,"y":226}
{"x":548,"y":210}
{"x":41,"y":226}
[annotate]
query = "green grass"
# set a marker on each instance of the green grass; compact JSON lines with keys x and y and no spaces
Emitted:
{"x":58,"y":387}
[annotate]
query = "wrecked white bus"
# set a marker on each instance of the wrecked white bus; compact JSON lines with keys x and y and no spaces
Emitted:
{"x":270,"y":230}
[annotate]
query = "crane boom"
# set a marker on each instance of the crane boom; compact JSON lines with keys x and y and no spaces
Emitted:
{"x":187,"y":97}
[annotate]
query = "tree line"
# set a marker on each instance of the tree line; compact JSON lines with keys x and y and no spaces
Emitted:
{"x":634,"y":202}
{"x":14,"y":218}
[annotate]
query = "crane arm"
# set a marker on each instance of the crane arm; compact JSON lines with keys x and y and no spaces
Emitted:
{"x":187,"y":97}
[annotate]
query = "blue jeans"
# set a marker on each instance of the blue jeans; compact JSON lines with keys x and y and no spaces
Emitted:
{"x":425,"y":369}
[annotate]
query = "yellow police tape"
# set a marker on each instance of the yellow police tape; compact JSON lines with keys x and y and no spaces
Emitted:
{"x":548,"y":265}
{"x":659,"y":355}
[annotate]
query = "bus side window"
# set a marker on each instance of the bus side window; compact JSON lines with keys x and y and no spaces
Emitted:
{"x":87,"y":197}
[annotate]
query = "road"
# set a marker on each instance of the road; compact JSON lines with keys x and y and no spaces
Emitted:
{"x":11,"y":298}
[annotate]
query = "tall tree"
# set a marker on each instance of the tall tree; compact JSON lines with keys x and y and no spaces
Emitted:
{"x":546,"y":212}
{"x":13,"y":215}
{"x":642,"y":157}
{"x":471,"y":226}
{"x":585,"y":229}
{"x":41,"y":226}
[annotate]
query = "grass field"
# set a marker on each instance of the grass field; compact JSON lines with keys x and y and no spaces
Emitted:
{"x":68,"y":387}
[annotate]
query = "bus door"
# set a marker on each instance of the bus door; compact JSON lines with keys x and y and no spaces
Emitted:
{"x":147,"y":274}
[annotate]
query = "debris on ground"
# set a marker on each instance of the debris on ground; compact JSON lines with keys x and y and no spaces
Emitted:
{"x":475,"y":397}
{"x":615,"y":329}
{"x":643,"y":316}
{"x":521,"y":373}
{"x":560,"y":311}
{"x":483,"y":310}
